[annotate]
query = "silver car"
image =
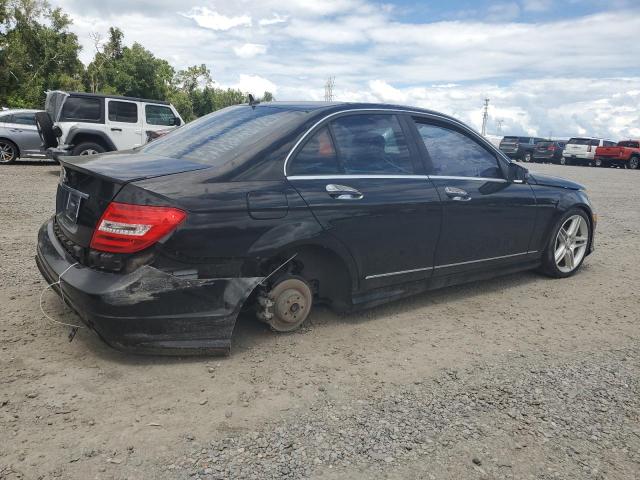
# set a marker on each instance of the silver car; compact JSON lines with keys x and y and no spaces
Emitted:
{"x":19,"y":135}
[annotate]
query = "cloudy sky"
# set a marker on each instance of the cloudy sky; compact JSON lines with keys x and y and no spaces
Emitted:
{"x":566,"y":67}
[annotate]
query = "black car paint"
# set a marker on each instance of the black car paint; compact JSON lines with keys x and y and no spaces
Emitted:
{"x":185,"y":293}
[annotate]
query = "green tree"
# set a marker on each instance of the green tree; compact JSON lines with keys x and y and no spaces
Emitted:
{"x":267,"y":97}
{"x":37,"y":52}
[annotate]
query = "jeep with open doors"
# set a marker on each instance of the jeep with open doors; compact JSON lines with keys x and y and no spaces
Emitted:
{"x":87,"y":123}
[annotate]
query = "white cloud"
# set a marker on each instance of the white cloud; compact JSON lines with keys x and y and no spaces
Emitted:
{"x":249,"y":50}
{"x":274,"y":20}
{"x":255,"y":85}
{"x":213,"y":20}
{"x":537,"y":5}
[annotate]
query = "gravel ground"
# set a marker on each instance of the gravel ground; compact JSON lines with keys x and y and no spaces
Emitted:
{"x":517,"y":377}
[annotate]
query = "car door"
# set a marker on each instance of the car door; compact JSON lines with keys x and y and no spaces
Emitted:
{"x":487,"y":220}
{"x":124,"y":124}
{"x":360,"y":175}
{"x":24,"y":133}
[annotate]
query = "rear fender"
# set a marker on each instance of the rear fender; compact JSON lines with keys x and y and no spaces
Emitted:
{"x":76,"y":133}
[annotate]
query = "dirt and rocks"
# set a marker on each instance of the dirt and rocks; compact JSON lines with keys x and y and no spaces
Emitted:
{"x":518,"y":377}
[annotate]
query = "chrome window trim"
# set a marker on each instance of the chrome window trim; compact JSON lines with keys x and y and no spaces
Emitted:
{"x":480,"y":179}
{"x":341,"y":177}
{"x":401,"y":272}
{"x":381,"y":111}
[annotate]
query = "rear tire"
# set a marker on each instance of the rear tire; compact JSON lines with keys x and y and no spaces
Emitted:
{"x":527,"y":157}
{"x":572,"y":245}
{"x":88,"y":148}
{"x":8,"y":151}
{"x":633,"y":163}
{"x":598,"y":163}
{"x":564,"y":161}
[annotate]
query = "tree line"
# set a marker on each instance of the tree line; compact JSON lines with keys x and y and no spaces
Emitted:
{"x":38,"y":52}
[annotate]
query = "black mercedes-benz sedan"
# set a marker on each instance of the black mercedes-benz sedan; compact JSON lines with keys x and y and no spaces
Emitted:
{"x":277,"y":207}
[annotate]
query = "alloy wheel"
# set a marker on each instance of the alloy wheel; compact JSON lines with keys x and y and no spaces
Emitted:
{"x":571,"y":243}
{"x":7,"y":152}
{"x":633,"y":163}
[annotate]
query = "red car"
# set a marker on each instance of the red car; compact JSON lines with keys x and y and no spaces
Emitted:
{"x":626,"y":154}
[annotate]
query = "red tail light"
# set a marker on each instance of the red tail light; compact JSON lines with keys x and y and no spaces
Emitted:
{"x":552,"y":148}
{"x":126,"y":228}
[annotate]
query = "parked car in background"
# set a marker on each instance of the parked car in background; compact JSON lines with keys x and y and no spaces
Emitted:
{"x":86,"y":123}
{"x":549,"y":151}
{"x":519,"y":148}
{"x":19,"y":135}
{"x":625,"y":154}
{"x":281,"y":206}
{"x":582,"y":150}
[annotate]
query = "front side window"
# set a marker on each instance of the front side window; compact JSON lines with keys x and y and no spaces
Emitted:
{"x":82,"y":109}
{"x":25,"y":118}
{"x":126,"y":112}
{"x":454,"y":154}
{"x":6,"y":118}
{"x":372,"y":144}
{"x":159,"y":115}
{"x":317,"y":157}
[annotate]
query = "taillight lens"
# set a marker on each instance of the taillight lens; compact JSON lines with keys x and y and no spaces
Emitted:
{"x":126,"y":228}
{"x":552,"y":148}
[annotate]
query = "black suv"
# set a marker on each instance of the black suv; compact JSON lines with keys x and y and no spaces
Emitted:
{"x":519,"y":148}
{"x":276,"y":207}
{"x":549,"y":151}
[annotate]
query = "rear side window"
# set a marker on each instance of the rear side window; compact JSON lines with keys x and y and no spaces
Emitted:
{"x":24,"y":118}
{"x":579,"y":141}
{"x":372,"y":144}
{"x":82,"y":109}
{"x":123,"y":112}
{"x":317,"y":157}
{"x":454,"y":154}
{"x":159,"y":115}
{"x":595,"y":143}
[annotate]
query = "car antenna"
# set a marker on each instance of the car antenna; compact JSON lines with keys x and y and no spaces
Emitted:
{"x":252,"y":101}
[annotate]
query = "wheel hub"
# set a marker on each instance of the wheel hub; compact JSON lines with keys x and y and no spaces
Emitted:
{"x":290,"y":305}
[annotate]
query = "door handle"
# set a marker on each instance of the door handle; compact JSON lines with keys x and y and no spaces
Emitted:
{"x":457,"y":194}
{"x":343,"y":192}
{"x":116,"y":129}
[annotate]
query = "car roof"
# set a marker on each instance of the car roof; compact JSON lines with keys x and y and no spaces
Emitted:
{"x":335,"y":107}
{"x":119,"y":97}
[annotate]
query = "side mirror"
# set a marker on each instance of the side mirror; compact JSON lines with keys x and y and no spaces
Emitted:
{"x":176,"y":121}
{"x":517,"y":173}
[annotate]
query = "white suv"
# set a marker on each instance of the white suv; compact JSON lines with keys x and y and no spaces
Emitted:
{"x":87,"y":123}
{"x":582,"y":150}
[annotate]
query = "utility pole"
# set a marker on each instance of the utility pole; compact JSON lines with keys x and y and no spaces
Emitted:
{"x":499,"y":123}
{"x":328,"y":89}
{"x":485,"y":117}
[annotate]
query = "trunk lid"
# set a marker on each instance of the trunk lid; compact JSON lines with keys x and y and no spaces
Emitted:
{"x":88,"y":183}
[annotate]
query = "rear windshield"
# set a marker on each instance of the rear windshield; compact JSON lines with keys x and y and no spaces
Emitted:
{"x":580,"y":141}
{"x":216,"y":138}
{"x":544,"y":144}
{"x":510,"y":139}
{"x":629,"y":144}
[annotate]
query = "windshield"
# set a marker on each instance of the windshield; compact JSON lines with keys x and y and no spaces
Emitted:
{"x":629,"y":144}
{"x":510,"y":139}
{"x":216,"y":138}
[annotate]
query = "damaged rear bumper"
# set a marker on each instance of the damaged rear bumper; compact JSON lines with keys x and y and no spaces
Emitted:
{"x":148,"y":310}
